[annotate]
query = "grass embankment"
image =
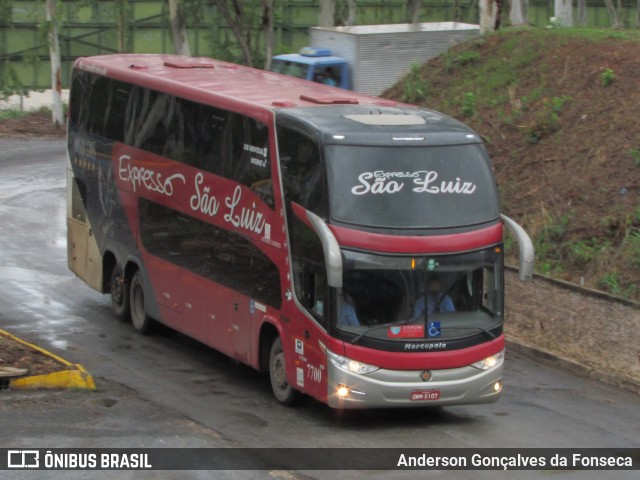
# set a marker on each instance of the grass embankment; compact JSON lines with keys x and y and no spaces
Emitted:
{"x":558,"y":109}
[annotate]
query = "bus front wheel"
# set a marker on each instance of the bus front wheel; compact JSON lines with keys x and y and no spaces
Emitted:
{"x":142,"y":323}
{"x":119,"y":294}
{"x":284,"y":393}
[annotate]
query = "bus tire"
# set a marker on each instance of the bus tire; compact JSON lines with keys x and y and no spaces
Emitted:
{"x":119,"y":294}
{"x":142,"y":323}
{"x":284,"y":393}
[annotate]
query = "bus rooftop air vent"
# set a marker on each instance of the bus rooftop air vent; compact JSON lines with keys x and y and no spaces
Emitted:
{"x":283,"y":103}
{"x":189,"y":64}
{"x":330,"y":100}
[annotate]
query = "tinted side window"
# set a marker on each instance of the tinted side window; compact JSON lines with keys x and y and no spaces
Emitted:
{"x":118,"y":97}
{"x":209,"y":251}
{"x":98,"y":104}
{"x":302,"y":172}
{"x":224,"y":143}
{"x":98,"y":92}
{"x":309,"y":269}
{"x":151,"y":117}
{"x":247,"y":156}
{"x":78,"y":106}
{"x":203,"y":133}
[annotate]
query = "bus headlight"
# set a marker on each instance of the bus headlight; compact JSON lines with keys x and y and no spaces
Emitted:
{"x":489,"y":362}
{"x":349,"y":365}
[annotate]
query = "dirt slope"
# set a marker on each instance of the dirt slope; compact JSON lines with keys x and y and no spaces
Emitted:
{"x":560,"y":112}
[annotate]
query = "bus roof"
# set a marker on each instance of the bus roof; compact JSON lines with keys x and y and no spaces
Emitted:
{"x":385,"y":125}
{"x":201,"y":78}
{"x":224,"y":84}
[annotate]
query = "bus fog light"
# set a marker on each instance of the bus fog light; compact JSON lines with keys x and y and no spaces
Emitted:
{"x":344,"y":391}
{"x":490,"y":362}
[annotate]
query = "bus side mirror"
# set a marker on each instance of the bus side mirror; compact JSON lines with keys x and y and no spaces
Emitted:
{"x":527,"y":253}
{"x":331,"y":249}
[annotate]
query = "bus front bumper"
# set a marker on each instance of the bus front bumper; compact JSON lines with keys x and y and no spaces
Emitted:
{"x":406,"y":388}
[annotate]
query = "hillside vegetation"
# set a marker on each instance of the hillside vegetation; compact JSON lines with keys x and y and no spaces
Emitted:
{"x":559,"y":110}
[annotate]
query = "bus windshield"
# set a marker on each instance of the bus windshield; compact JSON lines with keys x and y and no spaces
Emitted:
{"x":417,"y":187}
{"x":431,"y":297}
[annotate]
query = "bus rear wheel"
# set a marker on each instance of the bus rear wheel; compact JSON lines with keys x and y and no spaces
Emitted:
{"x":142,"y":323}
{"x":284,"y":393}
{"x":119,"y":294}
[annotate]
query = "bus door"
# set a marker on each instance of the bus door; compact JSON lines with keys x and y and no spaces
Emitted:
{"x":244,"y":310}
{"x":306,"y":336}
{"x":244,"y":307}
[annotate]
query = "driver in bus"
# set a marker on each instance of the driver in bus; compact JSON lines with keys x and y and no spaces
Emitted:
{"x":436,"y":300}
{"x":347,"y":315}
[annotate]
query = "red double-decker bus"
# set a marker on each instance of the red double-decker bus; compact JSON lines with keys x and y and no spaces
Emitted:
{"x":349,"y":245}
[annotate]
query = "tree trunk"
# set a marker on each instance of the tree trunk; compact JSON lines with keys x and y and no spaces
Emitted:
{"x":620,"y":14}
{"x":178,"y":28}
{"x":326,"y":16}
{"x":489,"y":15}
{"x":613,"y":13}
{"x":267,"y":25}
{"x":54,"y":52}
{"x":413,"y":10}
{"x":563,"y":11}
{"x":582,"y":13}
{"x":351,"y":17}
{"x":121,"y":9}
{"x":233,"y":15}
{"x":519,"y":12}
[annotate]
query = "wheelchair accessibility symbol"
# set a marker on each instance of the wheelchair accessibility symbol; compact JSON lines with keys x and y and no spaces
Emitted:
{"x":434,"y":329}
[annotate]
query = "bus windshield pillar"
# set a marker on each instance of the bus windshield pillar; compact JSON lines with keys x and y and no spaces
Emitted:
{"x":332,"y":255}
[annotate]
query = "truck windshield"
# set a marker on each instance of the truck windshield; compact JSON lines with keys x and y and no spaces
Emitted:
{"x":411,"y":187}
{"x":443,"y":297}
{"x":292,"y":69}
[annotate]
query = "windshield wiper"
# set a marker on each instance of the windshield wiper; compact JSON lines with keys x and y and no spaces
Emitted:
{"x":482,"y":329}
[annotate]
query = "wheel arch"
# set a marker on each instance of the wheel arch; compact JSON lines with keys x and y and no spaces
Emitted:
{"x":108,"y":262}
{"x":130,"y":268}
{"x":268,"y":333}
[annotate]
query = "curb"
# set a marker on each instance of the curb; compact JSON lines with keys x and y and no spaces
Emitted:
{"x":73,"y":376}
{"x":569,"y":365}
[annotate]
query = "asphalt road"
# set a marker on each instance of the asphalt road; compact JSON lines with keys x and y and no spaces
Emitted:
{"x":166,"y":390}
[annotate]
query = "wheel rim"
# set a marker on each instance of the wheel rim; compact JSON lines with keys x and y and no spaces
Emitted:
{"x":283,"y":392}
{"x":278,"y":371}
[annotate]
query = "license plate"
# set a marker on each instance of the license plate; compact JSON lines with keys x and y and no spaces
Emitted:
{"x":425,"y":395}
